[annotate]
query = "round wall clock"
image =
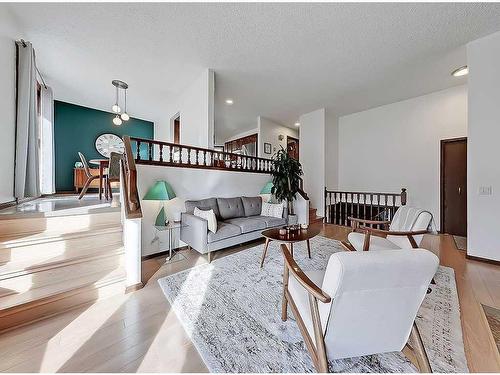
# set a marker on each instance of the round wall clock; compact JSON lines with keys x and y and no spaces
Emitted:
{"x":107,"y":143}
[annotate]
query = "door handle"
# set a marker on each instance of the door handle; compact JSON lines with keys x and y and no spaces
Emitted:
{"x":459,"y":190}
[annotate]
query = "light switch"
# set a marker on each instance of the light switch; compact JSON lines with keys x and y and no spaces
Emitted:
{"x":485,"y":190}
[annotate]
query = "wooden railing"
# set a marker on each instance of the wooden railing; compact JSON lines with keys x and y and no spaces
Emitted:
{"x":129,"y":172}
{"x":339,"y":205}
{"x":153,"y":152}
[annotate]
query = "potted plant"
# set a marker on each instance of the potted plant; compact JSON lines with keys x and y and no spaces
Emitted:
{"x":286,"y":174}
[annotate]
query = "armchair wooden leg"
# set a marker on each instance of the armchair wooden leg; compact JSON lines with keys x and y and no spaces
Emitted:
{"x":284,"y":303}
{"x":209,"y":257}
{"x":308,"y":249}
{"x":266,"y":245}
{"x":419,"y":350}
{"x":346,"y":245}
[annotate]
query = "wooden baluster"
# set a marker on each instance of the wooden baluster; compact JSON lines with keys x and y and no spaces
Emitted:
{"x":345,"y":208}
{"x":161,"y":153}
{"x":371,"y":208}
{"x":364,"y":206}
{"x":138,"y":152}
{"x":393,"y":206}
{"x":403,"y":197}
{"x":189,"y":155}
{"x":330,"y":209}
{"x":150,"y":151}
{"x":334,"y":208}
{"x":352,"y":208}
{"x":357,"y":205}
{"x":204,"y":159}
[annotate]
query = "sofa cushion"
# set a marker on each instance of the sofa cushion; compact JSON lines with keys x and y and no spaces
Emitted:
{"x":225,"y":230}
{"x":204,"y":205}
{"x":270,"y":221}
{"x":247,"y":224}
{"x":252,"y":205}
{"x":230,"y":207}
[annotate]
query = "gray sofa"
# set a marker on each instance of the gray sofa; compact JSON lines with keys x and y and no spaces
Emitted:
{"x":238,"y":221}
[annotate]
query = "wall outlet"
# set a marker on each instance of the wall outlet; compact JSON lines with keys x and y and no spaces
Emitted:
{"x":485,"y":190}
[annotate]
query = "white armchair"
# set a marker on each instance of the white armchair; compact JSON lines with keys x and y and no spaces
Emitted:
{"x":364,"y":303}
{"x":404,"y":232}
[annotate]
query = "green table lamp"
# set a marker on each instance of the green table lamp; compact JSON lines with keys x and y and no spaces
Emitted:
{"x":160,"y":191}
{"x":267,"y":188}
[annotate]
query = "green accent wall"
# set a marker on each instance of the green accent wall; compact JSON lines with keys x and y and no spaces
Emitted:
{"x":76,"y":129}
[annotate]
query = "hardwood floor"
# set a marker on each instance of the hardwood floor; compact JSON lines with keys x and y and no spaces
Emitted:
{"x":138,"y":332}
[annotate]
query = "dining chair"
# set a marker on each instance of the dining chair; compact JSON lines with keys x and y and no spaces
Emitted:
{"x":364,"y":303}
{"x":113,"y":174}
{"x":405,"y":231}
{"x":90,"y":176}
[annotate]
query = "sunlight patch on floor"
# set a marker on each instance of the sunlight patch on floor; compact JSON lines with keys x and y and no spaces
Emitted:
{"x":172,"y":331}
{"x":63,"y":346}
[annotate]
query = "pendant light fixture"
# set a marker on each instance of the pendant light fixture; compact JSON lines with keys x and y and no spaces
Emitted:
{"x":124,"y":116}
{"x":120,"y":117}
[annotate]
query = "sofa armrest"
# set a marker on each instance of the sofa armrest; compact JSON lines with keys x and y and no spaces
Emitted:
{"x":194,"y":232}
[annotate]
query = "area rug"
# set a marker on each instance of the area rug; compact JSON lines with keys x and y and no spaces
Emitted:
{"x":231,"y":311}
{"x":493,"y":318}
{"x":460,"y":242}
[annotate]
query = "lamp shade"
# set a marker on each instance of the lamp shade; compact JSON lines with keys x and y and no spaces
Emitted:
{"x":267,"y":188}
{"x":160,"y":191}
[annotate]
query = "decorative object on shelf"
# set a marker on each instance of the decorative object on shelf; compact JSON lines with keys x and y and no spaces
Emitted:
{"x":286,"y":174}
{"x":120,"y":116}
{"x":267,"y":148}
{"x":78,"y":164}
{"x":107,"y":143}
{"x":160,"y":191}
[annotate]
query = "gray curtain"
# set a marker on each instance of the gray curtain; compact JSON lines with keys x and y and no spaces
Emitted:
{"x":47,"y":162}
{"x":27,"y":179}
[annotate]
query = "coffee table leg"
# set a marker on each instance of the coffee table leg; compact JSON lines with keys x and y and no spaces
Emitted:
{"x":308,"y":249}
{"x":264,"y":253}
{"x":291,"y":248}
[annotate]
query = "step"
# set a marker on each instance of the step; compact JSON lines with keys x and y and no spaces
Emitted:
{"x":30,"y":287}
{"x":315,"y":219}
{"x":28,"y":225}
{"x":61,"y":302}
{"x":73,"y":256}
{"x":41,"y":247}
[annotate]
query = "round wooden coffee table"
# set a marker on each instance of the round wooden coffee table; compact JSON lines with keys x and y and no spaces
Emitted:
{"x":290,"y":238}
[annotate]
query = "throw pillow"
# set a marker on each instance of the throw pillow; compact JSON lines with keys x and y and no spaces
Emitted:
{"x":209,"y":216}
{"x":272,"y":210}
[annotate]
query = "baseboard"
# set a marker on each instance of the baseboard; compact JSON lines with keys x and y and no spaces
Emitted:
{"x":133,"y":288}
{"x":480,"y":259}
{"x":161,"y":253}
{"x":15,"y":202}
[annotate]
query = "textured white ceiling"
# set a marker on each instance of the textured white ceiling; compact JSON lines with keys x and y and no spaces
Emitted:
{"x":274,"y":59}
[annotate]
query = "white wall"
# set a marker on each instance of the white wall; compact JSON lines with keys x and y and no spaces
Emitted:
{"x":8,"y":35}
{"x":312,"y":156}
{"x":483,"y":151}
{"x":331,"y":150}
{"x":190,"y":183}
{"x":398,"y":145}
{"x":269,"y":131}
{"x":196,"y":107}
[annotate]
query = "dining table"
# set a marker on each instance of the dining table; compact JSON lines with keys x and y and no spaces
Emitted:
{"x":102,"y":163}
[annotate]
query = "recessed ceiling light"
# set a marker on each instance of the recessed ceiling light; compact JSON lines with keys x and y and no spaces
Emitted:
{"x":297,"y":124}
{"x":462,"y":71}
{"x":229,"y":101}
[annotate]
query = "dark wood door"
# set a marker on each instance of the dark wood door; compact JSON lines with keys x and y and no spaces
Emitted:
{"x":454,"y":186}
{"x":292,"y":146}
{"x":177,"y":130}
